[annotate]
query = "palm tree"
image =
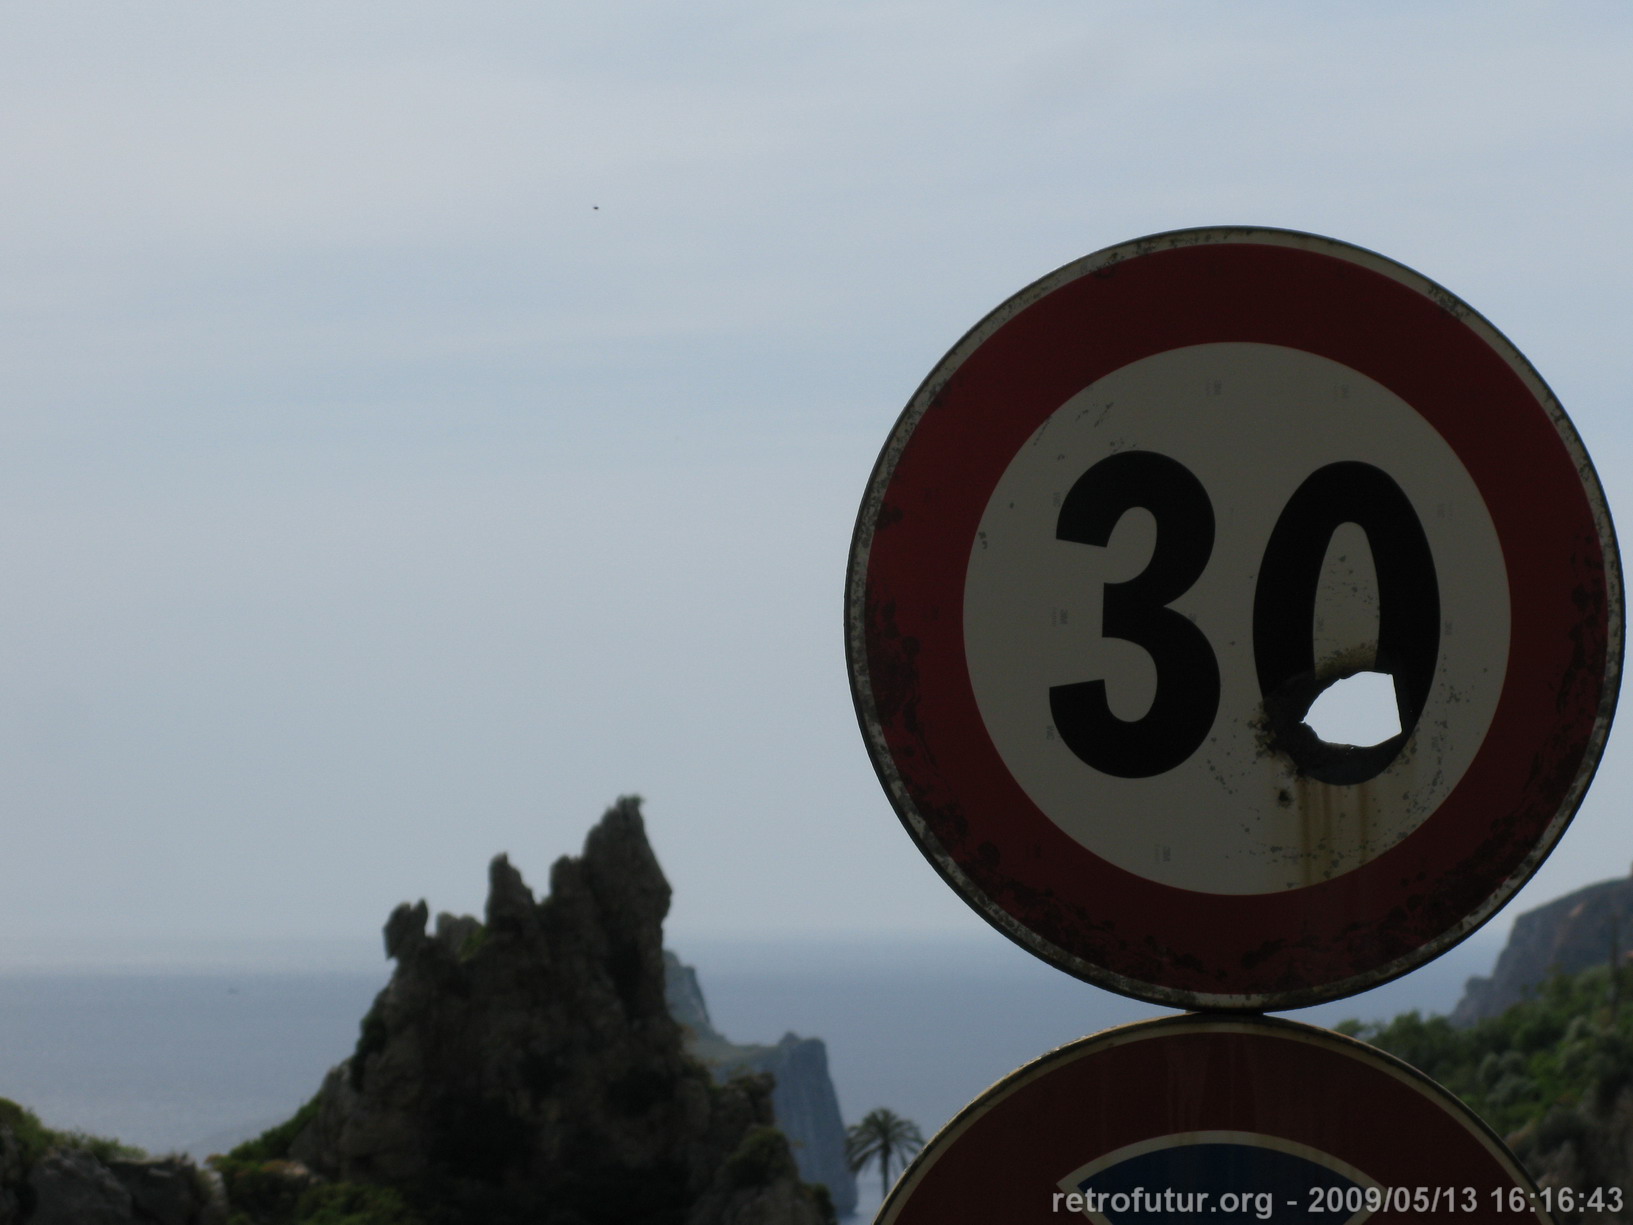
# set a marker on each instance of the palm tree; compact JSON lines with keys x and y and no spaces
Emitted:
{"x":885,"y":1137}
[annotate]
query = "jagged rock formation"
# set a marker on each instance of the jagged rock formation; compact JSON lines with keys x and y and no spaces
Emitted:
{"x":526,"y":1069}
{"x":1565,"y":936}
{"x":803,"y":1097}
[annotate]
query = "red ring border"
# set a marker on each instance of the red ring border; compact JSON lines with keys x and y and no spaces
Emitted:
{"x":1001,"y":1158}
{"x":917,"y":705}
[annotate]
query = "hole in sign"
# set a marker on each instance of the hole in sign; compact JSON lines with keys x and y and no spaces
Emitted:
{"x":1358,"y":710}
{"x":1346,"y":718}
{"x":1333,"y":741}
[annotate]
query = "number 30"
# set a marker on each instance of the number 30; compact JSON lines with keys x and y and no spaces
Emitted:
{"x":1187,"y":695}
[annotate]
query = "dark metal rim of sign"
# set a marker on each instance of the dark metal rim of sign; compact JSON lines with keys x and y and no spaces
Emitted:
{"x":1283,"y":1104}
{"x":1311,"y":944}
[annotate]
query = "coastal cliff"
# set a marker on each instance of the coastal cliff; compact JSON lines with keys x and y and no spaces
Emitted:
{"x":1589,"y":927}
{"x":803,"y":1097}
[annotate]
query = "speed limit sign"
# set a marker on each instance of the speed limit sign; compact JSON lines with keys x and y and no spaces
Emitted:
{"x":1137,"y":521}
{"x":1231,"y":1120}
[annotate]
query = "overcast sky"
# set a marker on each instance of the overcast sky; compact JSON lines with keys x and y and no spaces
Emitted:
{"x":422,"y":423}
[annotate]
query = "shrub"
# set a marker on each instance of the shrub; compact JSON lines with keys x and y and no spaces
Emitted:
{"x":1563,"y":1045}
{"x":760,"y":1159}
{"x":350,"y":1203}
{"x":273,"y":1144}
{"x":283,"y":1193}
{"x":264,"y":1192}
{"x":824,"y":1203}
{"x":34,"y":1137}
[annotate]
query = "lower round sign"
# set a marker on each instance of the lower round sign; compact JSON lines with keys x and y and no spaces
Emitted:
{"x":1137,"y":521}
{"x":1228,"y":1120}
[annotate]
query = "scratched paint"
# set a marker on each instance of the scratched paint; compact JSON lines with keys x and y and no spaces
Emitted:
{"x":1203,"y":406}
{"x":1255,"y":867}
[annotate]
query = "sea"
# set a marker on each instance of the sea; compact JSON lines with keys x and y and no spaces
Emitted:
{"x":196,"y":1056}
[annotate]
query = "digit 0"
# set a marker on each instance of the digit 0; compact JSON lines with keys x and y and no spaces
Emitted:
{"x":1187,"y":694}
{"x":1284,"y":611}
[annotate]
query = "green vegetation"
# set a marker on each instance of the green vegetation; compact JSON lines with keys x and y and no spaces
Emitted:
{"x":273,"y":1144}
{"x":884,"y":1137}
{"x":34,"y":1137}
{"x":1571,"y":1043}
{"x":761,"y":1159}
{"x":260,"y":1192}
{"x":345,"y":1203}
{"x":824,"y":1201}
{"x":281,"y":1193}
{"x":473,"y":942}
{"x":265,"y":1187}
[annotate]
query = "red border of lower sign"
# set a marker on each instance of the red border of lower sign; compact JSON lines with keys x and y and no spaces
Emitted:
{"x":1001,"y":1158}
{"x":1154,"y":940}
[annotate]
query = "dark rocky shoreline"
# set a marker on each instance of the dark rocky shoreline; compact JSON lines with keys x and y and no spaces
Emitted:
{"x":520,"y":1068}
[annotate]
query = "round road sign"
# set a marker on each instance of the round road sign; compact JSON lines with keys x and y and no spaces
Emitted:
{"x":1137,"y":521}
{"x":1234,"y":1121}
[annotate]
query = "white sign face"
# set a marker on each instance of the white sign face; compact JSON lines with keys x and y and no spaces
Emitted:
{"x":1251,"y":422}
{"x":1131,"y":529}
